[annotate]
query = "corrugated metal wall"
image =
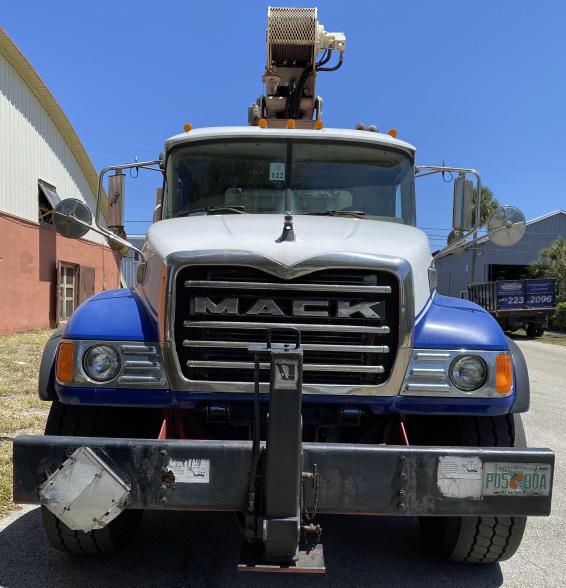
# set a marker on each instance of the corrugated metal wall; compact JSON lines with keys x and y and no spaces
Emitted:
{"x":454,"y":272}
{"x":32,"y":148}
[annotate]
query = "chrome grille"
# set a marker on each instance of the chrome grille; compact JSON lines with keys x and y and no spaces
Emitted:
{"x":348,"y":350}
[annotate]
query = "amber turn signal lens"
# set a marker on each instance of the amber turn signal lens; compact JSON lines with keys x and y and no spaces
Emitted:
{"x":503,"y":373}
{"x":290,"y":123}
{"x":65,"y":362}
{"x":318,"y":124}
{"x":262,"y":123}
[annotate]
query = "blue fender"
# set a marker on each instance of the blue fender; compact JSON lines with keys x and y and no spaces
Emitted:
{"x":455,"y":323}
{"x":113,"y":315}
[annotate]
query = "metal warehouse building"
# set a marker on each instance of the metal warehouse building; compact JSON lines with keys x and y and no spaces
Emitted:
{"x":500,"y":263}
{"x":43,"y":276}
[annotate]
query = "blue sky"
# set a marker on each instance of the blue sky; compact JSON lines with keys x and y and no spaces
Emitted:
{"x":479,"y":84}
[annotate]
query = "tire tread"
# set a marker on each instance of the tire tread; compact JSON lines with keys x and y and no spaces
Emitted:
{"x":482,"y":540}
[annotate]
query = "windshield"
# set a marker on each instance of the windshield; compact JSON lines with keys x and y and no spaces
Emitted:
{"x":324,"y":178}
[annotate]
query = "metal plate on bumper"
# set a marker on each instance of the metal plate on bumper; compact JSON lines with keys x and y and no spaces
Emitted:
{"x":84,"y":492}
{"x":353,"y":479}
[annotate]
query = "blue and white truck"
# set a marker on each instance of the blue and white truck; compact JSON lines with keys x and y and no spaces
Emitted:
{"x":285,"y":353}
{"x":518,"y":304}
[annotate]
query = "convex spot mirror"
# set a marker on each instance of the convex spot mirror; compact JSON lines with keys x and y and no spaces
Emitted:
{"x":72,"y":218}
{"x":506,"y":226}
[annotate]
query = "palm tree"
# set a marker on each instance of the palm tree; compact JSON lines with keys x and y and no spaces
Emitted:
{"x":551,"y":263}
{"x":488,"y":204}
{"x":487,"y":207}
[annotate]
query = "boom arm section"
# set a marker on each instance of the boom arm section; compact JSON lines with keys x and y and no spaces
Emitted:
{"x":294,"y":39}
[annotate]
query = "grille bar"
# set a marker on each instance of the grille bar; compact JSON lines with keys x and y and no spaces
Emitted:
{"x":140,"y":379}
{"x":355,"y":349}
{"x":282,"y":286}
{"x":382,"y":330}
{"x":141,"y":364}
{"x":305,"y":346}
{"x":138,"y":349}
{"x":429,"y":372}
{"x":307,"y":367}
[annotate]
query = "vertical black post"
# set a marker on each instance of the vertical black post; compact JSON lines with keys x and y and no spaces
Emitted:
{"x":284,"y":459}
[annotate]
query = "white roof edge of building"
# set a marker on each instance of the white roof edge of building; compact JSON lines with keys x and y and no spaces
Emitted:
{"x":32,"y":79}
{"x":547,"y":215}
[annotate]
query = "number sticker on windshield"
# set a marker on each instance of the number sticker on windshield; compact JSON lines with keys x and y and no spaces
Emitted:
{"x":277,"y":172}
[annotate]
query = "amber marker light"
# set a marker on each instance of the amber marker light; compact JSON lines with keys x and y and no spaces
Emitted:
{"x":65,"y":362}
{"x":262,"y":123}
{"x":392,"y":133}
{"x":187,"y":127}
{"x":290,"y":123}
{"x":318,"y":124}
{"x":503,"y":373}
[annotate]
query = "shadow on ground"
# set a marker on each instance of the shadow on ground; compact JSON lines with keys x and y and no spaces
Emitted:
{"x":177,"y":549}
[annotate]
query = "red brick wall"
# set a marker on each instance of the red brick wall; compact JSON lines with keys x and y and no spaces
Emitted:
{"x":28,"y":260}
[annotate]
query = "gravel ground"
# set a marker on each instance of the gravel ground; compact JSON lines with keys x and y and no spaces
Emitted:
{"x":187,"y":549}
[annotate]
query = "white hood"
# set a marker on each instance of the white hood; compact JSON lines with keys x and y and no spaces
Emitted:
{"x":314,"y":235}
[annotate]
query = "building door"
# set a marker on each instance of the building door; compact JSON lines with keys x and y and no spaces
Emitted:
{"x":86,"y":283}
{"x":66,"y":290}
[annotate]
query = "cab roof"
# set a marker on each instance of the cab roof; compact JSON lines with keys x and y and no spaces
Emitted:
{"x":248,"y":132}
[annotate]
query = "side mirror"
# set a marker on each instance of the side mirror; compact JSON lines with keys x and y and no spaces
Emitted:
{"x":116,"y":196}
{"x":506,"y":226}
{"x":72,"y":218}
{"x":158,"y":205}
{"x":462,"y":214}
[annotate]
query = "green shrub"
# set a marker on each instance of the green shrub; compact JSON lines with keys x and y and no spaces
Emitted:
{"x":558,"y":321}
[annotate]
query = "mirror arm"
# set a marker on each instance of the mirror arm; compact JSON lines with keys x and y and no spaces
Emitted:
{"x":434,"y":169}
{"x":138,"y":164}
{"x":108,"y":234}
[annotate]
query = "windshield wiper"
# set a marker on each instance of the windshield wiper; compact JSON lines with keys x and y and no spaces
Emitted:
{"x":215,"y":210}
{"x":356,"y":213}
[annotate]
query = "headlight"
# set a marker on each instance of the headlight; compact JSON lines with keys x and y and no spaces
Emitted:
{"x":468,"y":372}
{"x":101,"y":363}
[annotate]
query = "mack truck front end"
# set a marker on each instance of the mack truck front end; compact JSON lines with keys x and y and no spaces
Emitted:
{"x":284,"y":353}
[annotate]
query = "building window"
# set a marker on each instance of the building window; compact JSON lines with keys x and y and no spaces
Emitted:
{"x":48,"y":200}
{"x":67,"y":281}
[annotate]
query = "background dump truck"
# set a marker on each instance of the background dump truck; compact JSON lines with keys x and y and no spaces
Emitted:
{"x":518,"y":304}
{"x":285,"y":353}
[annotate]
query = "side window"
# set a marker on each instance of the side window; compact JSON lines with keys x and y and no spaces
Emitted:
{"x":47,"y":200}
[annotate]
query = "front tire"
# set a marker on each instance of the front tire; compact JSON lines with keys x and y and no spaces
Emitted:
{"x":117,"y":535}
{"x":480,"y":539}
{"x":92,"y":421}
{"x":532,"y":331}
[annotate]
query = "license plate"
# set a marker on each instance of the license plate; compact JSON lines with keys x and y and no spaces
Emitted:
{"x":516,"y":479}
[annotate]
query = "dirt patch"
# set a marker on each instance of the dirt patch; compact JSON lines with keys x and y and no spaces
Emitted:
{"x":21,"y":411}
{"x":548,"y":337}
